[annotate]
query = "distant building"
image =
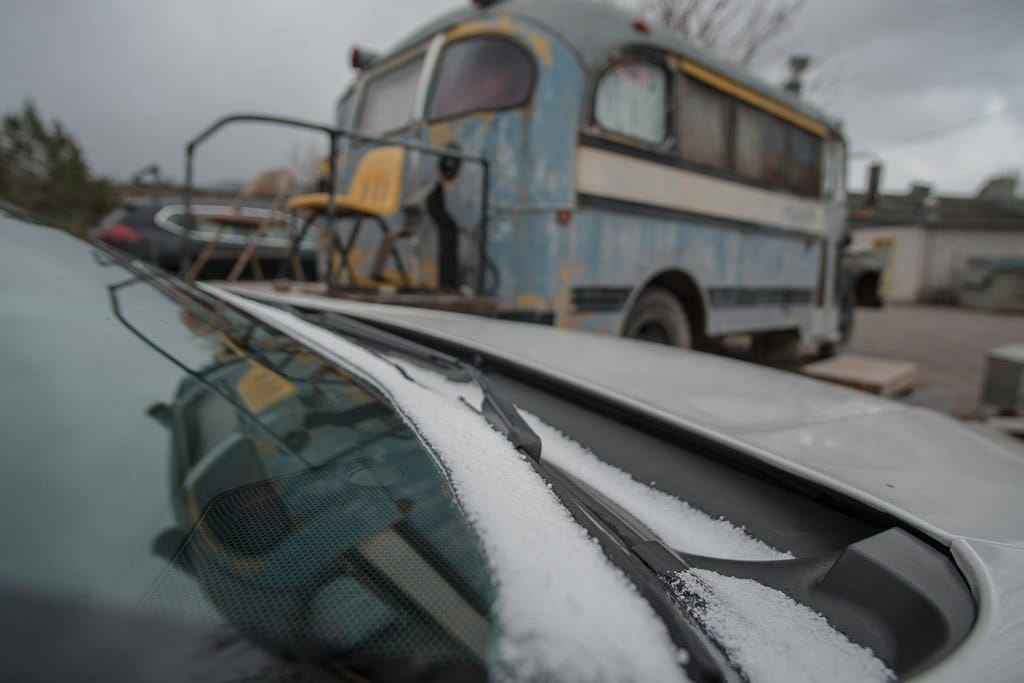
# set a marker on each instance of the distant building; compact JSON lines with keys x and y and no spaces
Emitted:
{"x":927,"y":241}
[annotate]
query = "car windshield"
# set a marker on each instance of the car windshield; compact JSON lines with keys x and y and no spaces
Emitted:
{"x":270,"y":492}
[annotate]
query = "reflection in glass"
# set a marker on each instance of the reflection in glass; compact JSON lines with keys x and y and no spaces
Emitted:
{"x":309,"y":516}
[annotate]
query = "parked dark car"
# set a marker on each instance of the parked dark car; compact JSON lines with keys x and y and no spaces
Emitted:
{"x":154,"y":232}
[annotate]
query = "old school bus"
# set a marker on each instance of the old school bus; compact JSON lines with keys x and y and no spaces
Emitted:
{"x":603,"y":174}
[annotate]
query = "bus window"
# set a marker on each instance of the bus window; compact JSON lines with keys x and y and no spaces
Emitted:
{"x":773,"y":148}
{"x":631,"y":100}
{"x":748,"y":142}
{"x":804,"y":163}
{"x":835,"y":169}
{"x":485,"y":73}
{"x":704,"y":125}
{"x":760,"y":146}
{"x":389,"y":97}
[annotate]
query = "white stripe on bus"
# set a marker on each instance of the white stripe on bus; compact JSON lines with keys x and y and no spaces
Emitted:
{"x":618,"y":176}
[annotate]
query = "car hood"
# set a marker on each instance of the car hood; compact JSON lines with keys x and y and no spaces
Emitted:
{"x":947,"y":479}
{"x":951,"y":482}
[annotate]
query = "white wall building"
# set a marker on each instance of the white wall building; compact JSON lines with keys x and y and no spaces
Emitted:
{"x":927,"y":240}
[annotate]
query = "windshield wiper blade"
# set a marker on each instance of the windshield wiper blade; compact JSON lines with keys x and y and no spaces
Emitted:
{"x":626,"y":543}
{"x":504,"y":417}
{"x":497,"y":409}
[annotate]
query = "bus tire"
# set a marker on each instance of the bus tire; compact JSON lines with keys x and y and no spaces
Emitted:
{"x":659,"y":317}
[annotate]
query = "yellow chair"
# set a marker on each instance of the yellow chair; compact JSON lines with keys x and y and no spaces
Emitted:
{"x":375,"y":192}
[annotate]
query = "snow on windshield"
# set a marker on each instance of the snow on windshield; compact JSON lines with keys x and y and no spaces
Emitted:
{"x":770,"y":636}
{"x":767,"y":634}
{"x":676,"y":523}
{"x":558,"y":620}
{"x":565,"y":612}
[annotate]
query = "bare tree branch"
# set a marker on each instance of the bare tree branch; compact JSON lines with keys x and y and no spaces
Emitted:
{"x":711,"y":25}
{"x":767,"y":27}
{"x":735,"y":29}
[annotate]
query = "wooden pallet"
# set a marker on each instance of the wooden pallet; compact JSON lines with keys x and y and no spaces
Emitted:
{"x":874,"y":375}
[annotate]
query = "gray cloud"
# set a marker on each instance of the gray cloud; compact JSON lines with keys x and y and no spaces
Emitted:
{"x":133,"y":80}
{"x":895,"y":71}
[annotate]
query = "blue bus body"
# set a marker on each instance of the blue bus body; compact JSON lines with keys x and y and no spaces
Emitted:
{"x":583,"y":220}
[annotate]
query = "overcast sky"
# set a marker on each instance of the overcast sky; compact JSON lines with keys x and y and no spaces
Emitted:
{"x":133,"y":79}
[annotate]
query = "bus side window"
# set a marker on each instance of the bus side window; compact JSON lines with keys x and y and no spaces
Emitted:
{"x":760,"y":146}
{"x":835,"y":169}
{"x":632,"y":100}
{"x":704,"y":125}
{"x":773,"y":147}
{"x":388,"y":98}
{"x":748,"y":142}
{"x":804,"y":163}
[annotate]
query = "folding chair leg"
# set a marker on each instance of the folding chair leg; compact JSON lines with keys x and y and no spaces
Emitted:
{"x":346,"y":265}
{"x":388,"y":247}
{"x":257,"y":270}
{"x":406,"y":282}
{"x":332,"y":245}
{"x":293,"y":249}
{"x":247,"y":254}
{"x":297,"y":268}
{"x":203,"y":257}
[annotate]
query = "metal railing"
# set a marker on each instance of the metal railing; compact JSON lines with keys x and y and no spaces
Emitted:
{"x":333,"y":136}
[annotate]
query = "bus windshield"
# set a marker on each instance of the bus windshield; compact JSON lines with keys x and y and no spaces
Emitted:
{"x":486,"y":73}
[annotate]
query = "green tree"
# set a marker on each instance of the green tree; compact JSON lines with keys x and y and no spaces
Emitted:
{"x":42,"y":170}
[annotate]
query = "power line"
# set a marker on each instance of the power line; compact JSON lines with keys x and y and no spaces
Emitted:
{"x":952,"y":128}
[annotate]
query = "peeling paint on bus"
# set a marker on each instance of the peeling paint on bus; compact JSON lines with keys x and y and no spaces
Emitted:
{"x":530,"y":300}
{"x":588,"y":272}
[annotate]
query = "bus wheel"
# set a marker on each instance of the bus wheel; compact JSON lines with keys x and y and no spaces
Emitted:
{"x":659,"y":317}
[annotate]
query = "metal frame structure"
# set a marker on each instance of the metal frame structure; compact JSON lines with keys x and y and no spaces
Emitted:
{"x":153,"y":171}
{"x":333,"y":136}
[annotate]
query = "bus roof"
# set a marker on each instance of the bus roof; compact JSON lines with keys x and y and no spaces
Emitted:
{"x":595,"y":30}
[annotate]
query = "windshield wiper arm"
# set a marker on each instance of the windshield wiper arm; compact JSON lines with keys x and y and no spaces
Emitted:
{"x":497,"y":409}
{"x":450,"y":366}
{"x":626,"y":542}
